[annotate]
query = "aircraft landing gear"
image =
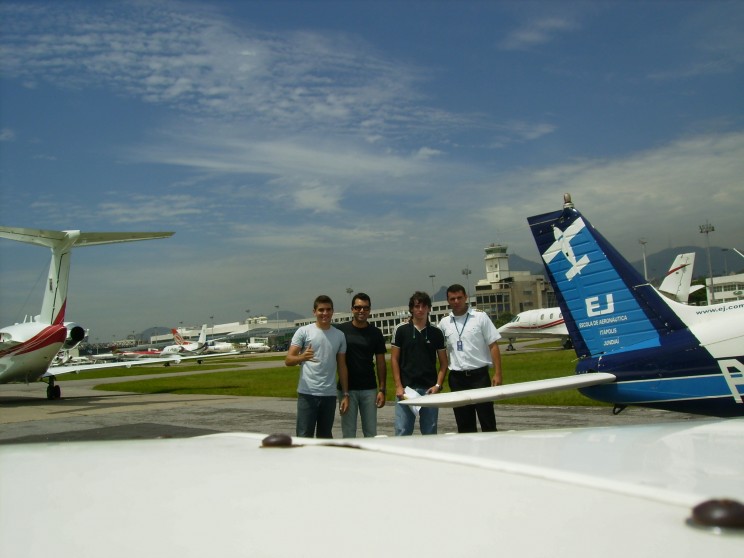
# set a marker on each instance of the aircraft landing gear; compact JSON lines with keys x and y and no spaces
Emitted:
{"x":510,"y":347}
{"x":53,"y":390}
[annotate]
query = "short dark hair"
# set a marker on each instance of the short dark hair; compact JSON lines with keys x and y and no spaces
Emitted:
{"x":322,"y":299}
{"x":457,"y":288}
{"x":419,"y":297}
{"x":361,"y":296}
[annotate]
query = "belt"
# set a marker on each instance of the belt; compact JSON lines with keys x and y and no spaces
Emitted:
{"x":471,"y":372}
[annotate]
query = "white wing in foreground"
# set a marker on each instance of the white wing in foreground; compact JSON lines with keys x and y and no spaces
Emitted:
{"x":482,"y":395}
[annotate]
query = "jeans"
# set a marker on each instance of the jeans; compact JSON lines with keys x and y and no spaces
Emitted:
{"x":405,"y":419}
{"x":364,"y":403}
{"x":315,"y":414}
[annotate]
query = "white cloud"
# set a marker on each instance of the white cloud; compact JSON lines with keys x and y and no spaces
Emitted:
{"x":537,"y":32}
{"x":662,"y":193}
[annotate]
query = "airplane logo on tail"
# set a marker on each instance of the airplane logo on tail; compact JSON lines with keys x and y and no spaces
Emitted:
{"x":563,"y":246}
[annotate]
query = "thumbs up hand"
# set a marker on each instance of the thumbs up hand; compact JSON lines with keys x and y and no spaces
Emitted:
{"x":308,"y":353}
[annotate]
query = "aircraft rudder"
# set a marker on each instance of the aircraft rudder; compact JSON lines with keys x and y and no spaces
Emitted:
{"x":597,"y":289}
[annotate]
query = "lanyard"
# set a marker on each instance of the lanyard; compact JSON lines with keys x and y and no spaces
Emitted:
{"x":460,"y":332}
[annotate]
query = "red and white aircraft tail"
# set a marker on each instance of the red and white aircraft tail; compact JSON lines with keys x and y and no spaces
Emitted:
{"x":184,"y":346}
{"x":677,"y":282}
{"x":28,"y":349}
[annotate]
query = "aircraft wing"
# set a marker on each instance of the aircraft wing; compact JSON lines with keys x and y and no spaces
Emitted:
{"x":175,"y":359}
{"x":496,"y":393}
{"x":68,"y":368}
{"x":615,"y":492}
{"x":178,"y":357}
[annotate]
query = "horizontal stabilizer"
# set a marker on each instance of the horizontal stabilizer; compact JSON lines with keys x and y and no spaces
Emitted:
{"x":496,"y":393}
{"x":54,"y":239}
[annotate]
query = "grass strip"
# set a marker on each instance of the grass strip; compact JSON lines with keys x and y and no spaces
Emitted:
{"x":282,"y":381}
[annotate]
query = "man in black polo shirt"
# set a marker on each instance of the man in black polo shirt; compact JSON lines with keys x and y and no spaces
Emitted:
{"x":416,"y":347}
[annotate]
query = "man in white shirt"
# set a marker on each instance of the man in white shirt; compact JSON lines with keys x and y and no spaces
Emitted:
{"x":472,"y":346}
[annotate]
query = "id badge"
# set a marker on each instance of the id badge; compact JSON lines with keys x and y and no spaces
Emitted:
{"x":459,"y":344}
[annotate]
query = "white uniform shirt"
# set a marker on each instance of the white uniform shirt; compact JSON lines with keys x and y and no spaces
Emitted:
{"x":476,"y":331}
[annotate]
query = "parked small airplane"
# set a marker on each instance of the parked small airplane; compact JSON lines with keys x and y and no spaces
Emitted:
{"x":635,"y":346}
{"x":252,"y":347}
{"x":197,"y":349}
{"x":219,"y":347}
{"x":537,"y":323}
{"x":255,"y":345}
{"x":548,"y":322}
{"x":28,"y":349}
{"x":182,"y":345}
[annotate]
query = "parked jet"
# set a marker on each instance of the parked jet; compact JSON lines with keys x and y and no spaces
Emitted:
{"x":184,"y":346}
{"x":635,"y":346}
{"x":254,"y":347}
{"x":219,"y":347}
{"x":537,"y":323}
{"x":28,"y":349}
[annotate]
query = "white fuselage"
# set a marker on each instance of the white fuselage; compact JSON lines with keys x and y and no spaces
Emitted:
{"x":542,"y":322}
{"x":27,"y":350}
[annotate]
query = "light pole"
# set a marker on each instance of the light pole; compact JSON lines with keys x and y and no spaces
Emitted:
{"x":277,"y":316}
{"x":466,"y":272}
{"x":349,"y":290}
{"x":706,"y":229}
{"x":432,"y":285}
{"x":642,"y":242}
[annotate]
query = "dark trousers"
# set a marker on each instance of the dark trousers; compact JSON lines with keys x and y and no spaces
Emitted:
{"x":465,"y":416}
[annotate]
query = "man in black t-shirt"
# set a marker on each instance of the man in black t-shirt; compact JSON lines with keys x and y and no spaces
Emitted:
{"x":416,"y":347}
{"x":365,"y":349}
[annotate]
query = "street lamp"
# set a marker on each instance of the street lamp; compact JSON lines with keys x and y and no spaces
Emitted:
{"x":642,"y":242}
{"x":277,"y":316}
{"x":432,"y":284}
{"x":466,"y":272}
{"x":706,"y":229}
{"x":349,"y":290}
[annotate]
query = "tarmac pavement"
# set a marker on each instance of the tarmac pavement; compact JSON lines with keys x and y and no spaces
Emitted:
{"x":86,"y":414}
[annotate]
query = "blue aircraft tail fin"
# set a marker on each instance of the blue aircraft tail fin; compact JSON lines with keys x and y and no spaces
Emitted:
{"x":607,"y":305}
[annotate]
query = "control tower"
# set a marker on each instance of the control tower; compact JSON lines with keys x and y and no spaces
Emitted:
{"x":497,"y":263}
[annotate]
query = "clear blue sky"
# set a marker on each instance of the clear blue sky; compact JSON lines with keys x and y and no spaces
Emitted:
{"x":303,"y":147}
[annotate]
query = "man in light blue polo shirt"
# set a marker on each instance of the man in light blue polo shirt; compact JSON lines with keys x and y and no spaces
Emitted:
{"x":320,"y":351}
